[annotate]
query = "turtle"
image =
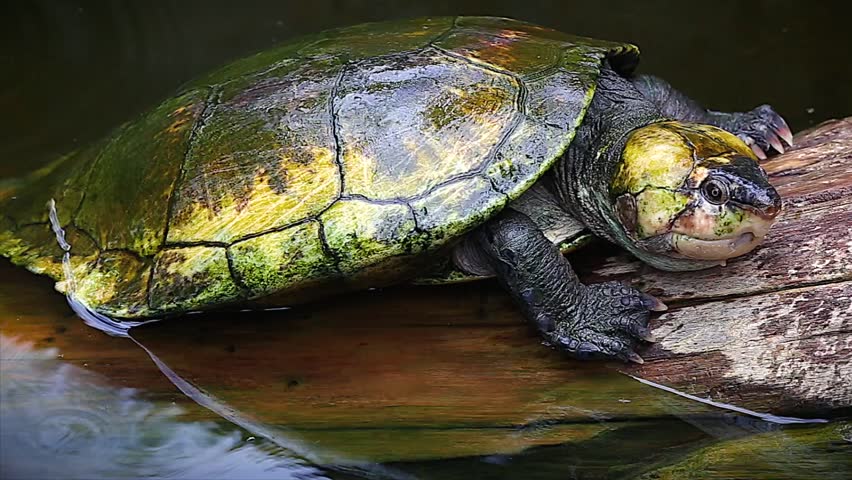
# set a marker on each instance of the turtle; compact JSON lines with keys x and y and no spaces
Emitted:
{"x":430,"y":150}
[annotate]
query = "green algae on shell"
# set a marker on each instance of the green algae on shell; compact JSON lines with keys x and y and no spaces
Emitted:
{"x":353,"y":157}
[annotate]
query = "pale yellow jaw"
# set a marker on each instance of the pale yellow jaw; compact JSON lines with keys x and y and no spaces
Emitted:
{"x":721,"y":249}
{"x":744,"y":239}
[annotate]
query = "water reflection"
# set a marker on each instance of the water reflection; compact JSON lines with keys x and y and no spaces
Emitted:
{"x":61,"y":421}
{"x":281,"y":412}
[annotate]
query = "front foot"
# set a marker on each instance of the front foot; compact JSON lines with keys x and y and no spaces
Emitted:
{"x":607,"y":323}
{"x":760,"y":129}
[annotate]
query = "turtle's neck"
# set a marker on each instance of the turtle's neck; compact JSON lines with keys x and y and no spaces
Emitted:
{"x":581,"y":179}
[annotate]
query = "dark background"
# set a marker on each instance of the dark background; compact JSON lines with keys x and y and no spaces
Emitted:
{"x":72,"y":70}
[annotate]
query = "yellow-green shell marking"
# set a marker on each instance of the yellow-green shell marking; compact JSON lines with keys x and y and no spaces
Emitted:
{"x":279,"y":261}
{"x":347,"y":158}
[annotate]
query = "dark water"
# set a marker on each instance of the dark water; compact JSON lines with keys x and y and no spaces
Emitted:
{"x":73,"y":70}
{"x":77,"y":404}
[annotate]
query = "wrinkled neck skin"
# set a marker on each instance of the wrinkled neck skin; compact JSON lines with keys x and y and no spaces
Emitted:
{"x":582,"y":178}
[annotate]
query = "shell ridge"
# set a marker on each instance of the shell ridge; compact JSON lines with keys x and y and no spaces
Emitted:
{"x":446,"y":33}
{"x":211,"y":102}
{"x":376,"y":201}
{"x":516,"y":122}
{"x":95,"y":241}
{"x":194,"y":243}
{"x":326,"y":248}
{"x":335,"y":129}
{"x":400,"y":200}
{"x":281,"y":228}
{"x":475,"y":63}
{"x":245,"y":291}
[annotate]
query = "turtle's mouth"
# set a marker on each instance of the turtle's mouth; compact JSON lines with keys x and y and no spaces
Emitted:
{"x":718,"y":249}
{"x":699,"y":239}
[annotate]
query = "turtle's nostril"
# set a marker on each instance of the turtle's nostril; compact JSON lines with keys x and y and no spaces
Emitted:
{"x":773,"y":210}
{"x":773,"y":207}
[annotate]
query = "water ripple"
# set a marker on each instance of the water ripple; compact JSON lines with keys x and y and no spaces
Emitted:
{"x":61,"y":421}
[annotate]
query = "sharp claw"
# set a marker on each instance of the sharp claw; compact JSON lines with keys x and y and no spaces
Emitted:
{"x":646,"y":335}
{"x":784,"y":132}
{"x":634,"y":357}
{"x":773,"y":140}
{"x":654,"y":304}
{"x":781,"y":128}
{"x":758,"y":151}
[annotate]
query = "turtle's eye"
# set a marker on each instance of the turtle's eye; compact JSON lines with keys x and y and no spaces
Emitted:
{"x":715,"y":190}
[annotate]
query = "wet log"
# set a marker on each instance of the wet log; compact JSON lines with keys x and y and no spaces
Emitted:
{"x":435,"y":372}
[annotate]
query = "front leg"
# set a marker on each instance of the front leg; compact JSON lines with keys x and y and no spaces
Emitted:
{"x":599,"y":320}
{"x":759,"y":128}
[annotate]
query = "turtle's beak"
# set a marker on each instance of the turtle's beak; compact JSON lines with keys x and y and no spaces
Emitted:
{"x":751,"y":191}
{"x":767,"y":205}
{"x":739,"y":240}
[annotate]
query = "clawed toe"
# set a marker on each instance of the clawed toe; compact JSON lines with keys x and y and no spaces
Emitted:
{"x":754,"y":148}
{"x":763,"y":129}
{"x":644,"y":334}
{"x":617,"y":323}
{"x":634,"y":357}
{"x":779,"y":126}
{"x":653,"y":303}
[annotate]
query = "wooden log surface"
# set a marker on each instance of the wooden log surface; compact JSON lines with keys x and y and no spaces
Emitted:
{"x":434,"y":372}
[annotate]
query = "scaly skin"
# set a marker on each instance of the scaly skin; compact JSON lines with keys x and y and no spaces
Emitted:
{"x":588,"y":321}
{"x":607,"y":320}
{"x":759,"y":128}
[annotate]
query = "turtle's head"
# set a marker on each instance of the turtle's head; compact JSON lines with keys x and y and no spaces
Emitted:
{"x":691,"y":196}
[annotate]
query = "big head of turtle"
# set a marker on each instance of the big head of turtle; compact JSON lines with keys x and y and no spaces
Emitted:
{"x":690,"y":196}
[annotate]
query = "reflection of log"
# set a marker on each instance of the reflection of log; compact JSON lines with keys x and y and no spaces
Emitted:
{"x":823,"y":453}
{"x":431,"y":372}
{"x":773,"y":330}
